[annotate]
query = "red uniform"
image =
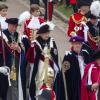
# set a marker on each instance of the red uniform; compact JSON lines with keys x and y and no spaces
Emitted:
{"x":91,"y":76}
{"x":73,"y":2}
{"x":75,"y":25}
{"x":28,"y":31}
{"x":50,"y":10}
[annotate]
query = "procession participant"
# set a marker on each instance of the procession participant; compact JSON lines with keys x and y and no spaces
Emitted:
{"x":32,"y":22}
{"x":94,"y":31}
{"x":14,"y":56}
{"x":73,"y":68}
{"x":93,"y":8}
{"x":91,"y":79}
{"x":5,"y":60}
{"x":77,"y":22}
{"x":3,"y":15}
{"x":48,"y":9}
{"x":42,"y":55}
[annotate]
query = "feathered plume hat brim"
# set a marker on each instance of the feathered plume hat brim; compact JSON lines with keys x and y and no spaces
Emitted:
{"x":50,"y":24}
{"x":95,"y":8}
{"x":24,"y":16}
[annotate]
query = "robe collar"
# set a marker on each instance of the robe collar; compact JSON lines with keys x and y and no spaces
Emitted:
{"x":75,"y":53}
{"x":43,"y":42}
{"x":11,"y":36}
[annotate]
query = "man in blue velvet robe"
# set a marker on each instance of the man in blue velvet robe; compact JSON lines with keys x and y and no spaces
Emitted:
{"x":14,"y":58}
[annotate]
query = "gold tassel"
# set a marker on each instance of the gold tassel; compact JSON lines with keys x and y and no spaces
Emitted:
{"x":13,"y":73}
{"x":13,"y":70}
{"x":33,"y":35}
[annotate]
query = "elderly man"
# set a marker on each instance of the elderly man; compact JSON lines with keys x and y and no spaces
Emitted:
{"x":73,"y":68}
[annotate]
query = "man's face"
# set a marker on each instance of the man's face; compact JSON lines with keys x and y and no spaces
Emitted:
{"x":85,"y":9}
{"x":3,"y":12}
{"x":36,"y":13}
{"x":12,"y":28}
{"x":45,"y":36}
{"x":93,"y":21}
{"x":77,"y":46}
{"x":98,"y":61}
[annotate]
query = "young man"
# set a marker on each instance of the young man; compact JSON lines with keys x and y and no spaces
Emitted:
{"x":42,"y":55}
{"x":73,"y":67}
{"x":3,"y":15}
{"x":77,"y":26}
{"x":91,"y":79}
{"x":32,"y":24}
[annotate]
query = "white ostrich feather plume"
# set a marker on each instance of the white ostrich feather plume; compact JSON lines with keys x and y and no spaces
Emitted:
{"x":95,"y":8}
{"x":51,"y":25}
{"x":24,"y":16}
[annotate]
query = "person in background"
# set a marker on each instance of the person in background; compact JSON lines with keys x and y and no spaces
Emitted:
{"x":34,"y":2}
{"x":90,"y":86}
{"x":48,"y":9}
{"x":32,"y":24}
{"x":3,"y":15}
{"x":77,"y":21}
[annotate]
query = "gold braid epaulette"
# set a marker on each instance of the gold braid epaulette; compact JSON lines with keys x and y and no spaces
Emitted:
{"x":78,"y":21}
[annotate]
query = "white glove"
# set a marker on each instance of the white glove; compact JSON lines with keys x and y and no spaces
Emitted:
{"x":4,"y":70}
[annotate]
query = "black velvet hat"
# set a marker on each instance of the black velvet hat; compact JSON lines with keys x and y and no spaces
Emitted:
{"x":83,"y":3}
{"x":96,"y":55}
{"x":12,"y":21}
{"x":44,"y":29}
